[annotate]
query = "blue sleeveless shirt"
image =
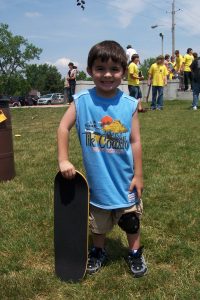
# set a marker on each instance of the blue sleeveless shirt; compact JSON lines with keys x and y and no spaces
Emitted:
{"x":104,"y":128}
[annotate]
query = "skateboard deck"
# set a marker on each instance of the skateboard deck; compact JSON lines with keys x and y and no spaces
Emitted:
{"x":148,"y":93}
{"x":71,"y":210}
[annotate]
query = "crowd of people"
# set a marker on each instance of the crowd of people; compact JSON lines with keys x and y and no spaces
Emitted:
{"x":186,"y":68}
{"x":183,"y":67}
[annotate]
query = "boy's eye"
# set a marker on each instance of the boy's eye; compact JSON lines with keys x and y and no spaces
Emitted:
{"x":115,"y":69}
{"x":99,"y":68}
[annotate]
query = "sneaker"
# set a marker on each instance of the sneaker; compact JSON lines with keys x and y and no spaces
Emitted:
{"x":194,"y":108}
{"x":137,"y":263}
{"x":153,"y":108}
{"x":96,"y":259}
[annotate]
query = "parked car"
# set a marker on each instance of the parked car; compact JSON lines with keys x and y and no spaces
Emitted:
{"x":14,"y":101}
{"x":47,"y":99}
{"x":31,"y":100}
{"x":58,"y":100}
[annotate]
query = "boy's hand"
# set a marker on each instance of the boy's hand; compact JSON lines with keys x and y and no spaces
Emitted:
{"x":137,"y":182}
{"x":149,"y":82}
{"x":67,"y":169}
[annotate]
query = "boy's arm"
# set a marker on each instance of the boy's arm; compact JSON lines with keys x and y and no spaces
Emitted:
{"x":66,"y":123}
{"x":150,"y":76}
{"x":165,"y":80}
{"x":137,"y":181}
{"x":149,"y":81}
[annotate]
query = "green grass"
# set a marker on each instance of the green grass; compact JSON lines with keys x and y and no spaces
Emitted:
{"x":170,"y":225}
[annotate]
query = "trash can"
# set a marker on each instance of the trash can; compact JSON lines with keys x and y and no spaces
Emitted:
{"x":7,"y":165}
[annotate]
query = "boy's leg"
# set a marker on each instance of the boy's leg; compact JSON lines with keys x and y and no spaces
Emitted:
{"x":154,"y":94}
{"x":98,"y":240}
{"x":191,"y":79}
{"x":130,"y":223}
{"x":186,"y":81}
{"x":196,"y":90}
{"x":160,"y":97}
{"x":133,"y":241}
{"x":100,"y":224}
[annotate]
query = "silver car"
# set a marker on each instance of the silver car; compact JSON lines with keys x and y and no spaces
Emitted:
{"x":47,"y":99}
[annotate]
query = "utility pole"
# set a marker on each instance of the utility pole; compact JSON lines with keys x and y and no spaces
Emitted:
{"x":173,"y":27}
{"x":162,"y":42}
{"x":173,"y":12}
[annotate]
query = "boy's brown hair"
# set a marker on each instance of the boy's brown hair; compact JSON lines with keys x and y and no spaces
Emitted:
{"x":107,"y":50}
{"x":134,"y":56}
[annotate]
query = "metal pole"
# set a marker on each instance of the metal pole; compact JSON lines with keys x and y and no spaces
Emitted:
{"x":162,"y":42}
{"x":173,"y":27}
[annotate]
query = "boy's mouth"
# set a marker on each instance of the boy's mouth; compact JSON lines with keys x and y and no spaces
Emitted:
{"x":107,"y":82}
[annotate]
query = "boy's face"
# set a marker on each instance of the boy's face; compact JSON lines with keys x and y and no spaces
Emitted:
{"x":136,"y":60}
{"x":107,"y":77}
{"x":160,"y":61}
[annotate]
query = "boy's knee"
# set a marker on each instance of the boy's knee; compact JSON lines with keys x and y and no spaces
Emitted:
{"x":130,"y":223}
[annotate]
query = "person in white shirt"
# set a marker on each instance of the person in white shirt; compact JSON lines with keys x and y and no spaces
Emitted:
{"x":129,"y":52}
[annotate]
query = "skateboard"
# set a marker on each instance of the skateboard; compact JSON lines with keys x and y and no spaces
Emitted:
{"x":71,"y":210}
{"x":148,"y":93}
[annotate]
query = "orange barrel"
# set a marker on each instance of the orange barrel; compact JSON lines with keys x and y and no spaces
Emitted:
{"x":7,"y":165}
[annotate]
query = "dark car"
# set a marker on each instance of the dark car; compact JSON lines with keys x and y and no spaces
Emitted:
{"x":14,"y":101}
{"x":31,"y":100}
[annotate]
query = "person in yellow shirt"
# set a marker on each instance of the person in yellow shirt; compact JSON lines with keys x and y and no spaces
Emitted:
{"x":158,"y":79}
{"x":188,"y":59}
{"x":179,"y":69}
{"x":179,"y":61}
{"x":134,"y":77}
{"x":172,"y":72}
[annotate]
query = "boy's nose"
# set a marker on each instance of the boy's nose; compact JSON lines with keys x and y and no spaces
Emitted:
{"x":107,"y":74}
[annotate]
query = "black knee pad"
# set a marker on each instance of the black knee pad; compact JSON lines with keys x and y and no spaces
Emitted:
{"x":129,"y":222}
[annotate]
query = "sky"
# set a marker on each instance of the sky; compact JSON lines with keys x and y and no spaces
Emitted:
{"x":66,"y":33}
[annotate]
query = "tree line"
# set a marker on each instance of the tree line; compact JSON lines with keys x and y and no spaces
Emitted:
{"x":18,"y":76}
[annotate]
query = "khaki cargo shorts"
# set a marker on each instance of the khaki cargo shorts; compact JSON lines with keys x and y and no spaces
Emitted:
{"x":103,"y":220}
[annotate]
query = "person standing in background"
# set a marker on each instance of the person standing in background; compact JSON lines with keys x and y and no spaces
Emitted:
{"x":178,"y":68}
{"x":195,"y":68}
{"x":129,"y":53}
{"x":71,"y":79}
{"x":134,"y":77}
{"x":179,"y":61}
{"x":158,"y":78}
{"x":172,"y":73}
{"x":188,"y":59}
{"x":167,"y":61}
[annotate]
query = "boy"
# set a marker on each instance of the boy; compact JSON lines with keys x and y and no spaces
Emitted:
{"x":108,"y":128}
{"x":158,"y":78}
{"x":179,"y":69}
{"x":188,"y":59}
{"x":134,"y":78}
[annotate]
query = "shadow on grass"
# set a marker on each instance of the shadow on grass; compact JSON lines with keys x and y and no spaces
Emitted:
{"x":115,"y":249}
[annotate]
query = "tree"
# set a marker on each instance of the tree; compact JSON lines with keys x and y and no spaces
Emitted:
{"x":44,"y":78}
{"x":146,"y":65}
{"x":15,"y":53}
{"x":83,"y":76}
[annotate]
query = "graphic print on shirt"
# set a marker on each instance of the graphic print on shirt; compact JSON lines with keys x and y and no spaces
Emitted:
{"x":106,"y":135}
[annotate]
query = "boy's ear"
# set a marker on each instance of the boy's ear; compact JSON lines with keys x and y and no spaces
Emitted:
{"x":89,"y":71}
